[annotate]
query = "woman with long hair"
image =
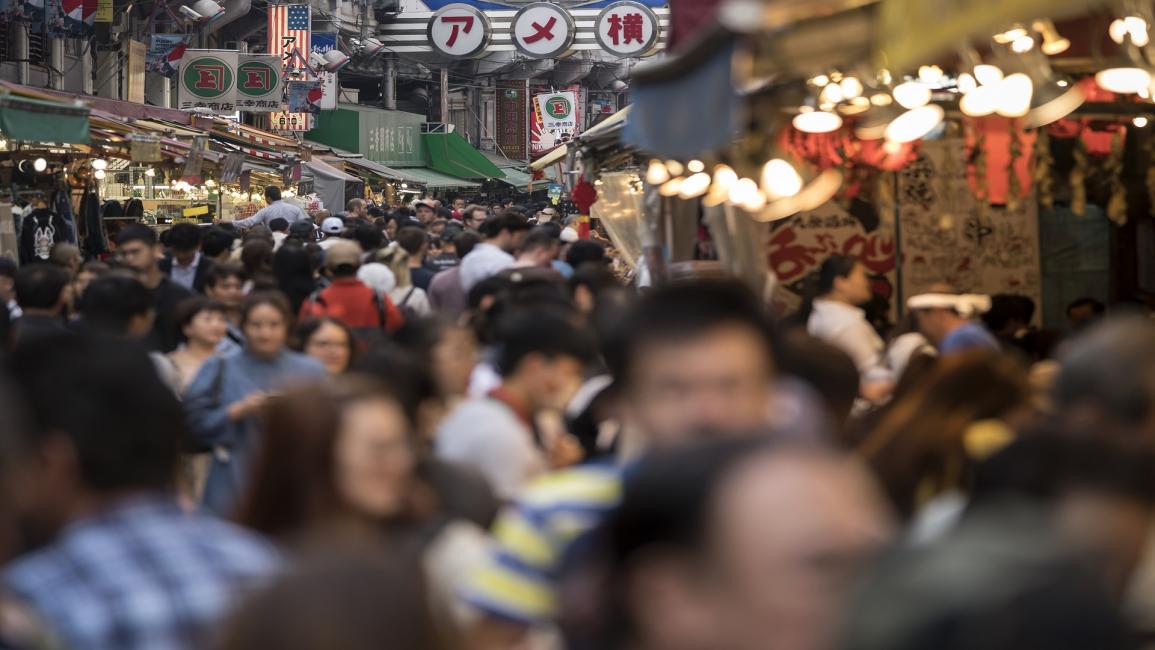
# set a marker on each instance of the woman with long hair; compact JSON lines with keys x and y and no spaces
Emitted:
{"x":295,"y":274}
{"x":201,"y":325}
{"x":327,"y":340}
{"x":410,"y":299}
{"x":225,"y":401}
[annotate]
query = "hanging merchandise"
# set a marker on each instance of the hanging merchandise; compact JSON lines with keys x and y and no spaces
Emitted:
{"x":40,"y":232}
{"x":145,"y":148}
{"x":63,"y":205}
{"x":94,"y":239}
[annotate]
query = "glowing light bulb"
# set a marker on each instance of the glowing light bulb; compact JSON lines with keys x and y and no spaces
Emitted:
{"x":210,"y":183}
{"x":914,"y":124}
{"x":930,"y":74}
{"x":100,"y":174}
{"x":744,"y":190}
{"x":851,"y":88}
{"x":99,"y":164}
{"x":817,"y":122}
{"x":966,"y":83}
{"x":831,"y":94}
{"x":671,"y":187}
{"x":695,"y":186}
{"x":912,"y":94}
{"x":696,"y":166}
{"x":881,"y":99}
{"x":724,"y":179}
{"x":675,"y":167}
{"x":1023,"y":44}
{"x":821,"y":80}
{"x":656,"y":173}
{"x":40,"y":164}
{"x":1015,"y":94}
{"x":1124,"y":81}
{"x":1140,"y":122}
{"x":150,"y":172}
{"x":980,"y":102}
{"x":780,"y":180}
{"x":987,"y":74}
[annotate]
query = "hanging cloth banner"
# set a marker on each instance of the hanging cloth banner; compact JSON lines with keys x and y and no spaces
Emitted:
{"x":208,"y":81}
{"x":145,"y":148}
{"x":165,"y":52}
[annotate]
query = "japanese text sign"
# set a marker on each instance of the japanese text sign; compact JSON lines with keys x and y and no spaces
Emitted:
{"x":259,"y":87}
{"x":459,"y":31}
{"x":543,"y":30}
{"x":627,"y":29}
{"x":208,"y":81}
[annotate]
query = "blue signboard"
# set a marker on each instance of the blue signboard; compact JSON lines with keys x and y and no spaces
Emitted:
{"x":497,"y":5}
{"x":322,"y":42}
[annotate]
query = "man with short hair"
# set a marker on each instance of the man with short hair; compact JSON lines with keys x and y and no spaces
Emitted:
{"x":426,"y":211}
{"x":473,"y":216}
{"x":137,"y":248}
{"x":503,"y":235}
{"x":332,"y":228}
{"x":539,"y":249}
{"x":129,"y":569}
{"x":226,"y":284}
{"x":350,"y":300}
{"x":415,"y":242}
{"x":277,"y":207}
{"x":116,"y":305}
{"x":355,"y":209}
{"x":217,"y":244}
{"x":280,"y":228}
{"x":40,"y":293}
{"x":185,"y":265}
{"x":696,"y":364}
{"x":1084,"y":312}
{"x":949,"y":321}
{"x":446,"y":293}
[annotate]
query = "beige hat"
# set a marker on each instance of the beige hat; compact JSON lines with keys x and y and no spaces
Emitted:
{"x":343,"y":252}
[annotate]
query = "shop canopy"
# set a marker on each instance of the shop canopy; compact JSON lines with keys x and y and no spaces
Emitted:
{"x":43,"y":120}
{"x":452,"y":155}
{"x":328,"y":183}
{"x":514,"y":171}
{"x":359,"y":163}
{"x":433,"y":180}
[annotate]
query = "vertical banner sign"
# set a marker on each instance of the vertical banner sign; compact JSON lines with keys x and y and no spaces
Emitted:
{"x":512,"y":119}
{"x":555,"y":121}
{"x":208,"y":81}
{"x":259,"y":88}
{"x":165,"y":52}
{"x":195,"y":160}
{"x":135,"y":64}
{"x":326,"y":42}
{"x":305,"y":97}
{"x":290,"y":27}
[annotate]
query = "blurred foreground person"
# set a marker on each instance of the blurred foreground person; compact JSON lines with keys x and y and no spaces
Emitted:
{"x":128,"y":569}
{"x":736,"y":545}
{"x":329,"y":341}
{"x":345,"y":603}
{"x":694,"y":362}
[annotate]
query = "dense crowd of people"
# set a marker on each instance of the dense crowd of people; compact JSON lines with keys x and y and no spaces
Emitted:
{"x":462,"y":427}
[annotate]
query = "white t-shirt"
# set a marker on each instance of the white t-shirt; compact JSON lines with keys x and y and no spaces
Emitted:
{"x":844,"y":326}
{"x":487,"y":435}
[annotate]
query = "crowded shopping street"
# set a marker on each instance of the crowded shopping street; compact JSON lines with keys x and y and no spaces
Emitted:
{"x":577,"y":325}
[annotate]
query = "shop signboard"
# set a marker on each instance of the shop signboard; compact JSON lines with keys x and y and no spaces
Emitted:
{"x":290,"y":31}
{"x":231,"y":167}
{"x":627,"y":29}
{"x":557,"y":119}
{"x":459,"y":31}
{"x":208,"y":81}
{"x":305,"y":97}
{"x":165,"y":52}
{"x":513,"y":118}
{"x":259,"y":83}
{"x":323,"y":42}
{"x":543,"y":30}
{"x":391,"y":138}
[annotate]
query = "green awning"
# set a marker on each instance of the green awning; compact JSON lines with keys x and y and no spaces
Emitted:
{"x":452,"y":154}
{"x":433,"y":180}
{"x":36,"y":120}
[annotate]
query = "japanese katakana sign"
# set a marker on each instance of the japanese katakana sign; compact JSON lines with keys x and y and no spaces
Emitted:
{"x":259,"y":87}
{"x":290,"y":28}
{"x":627,"y":29}
{"x":543,"y":30}
{"x":459,"y":31}
{"x":208,"y":81}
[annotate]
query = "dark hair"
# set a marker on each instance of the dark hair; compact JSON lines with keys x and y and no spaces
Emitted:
{"x":368,"y":236}
{"x":1112,"y":368}
{"x":585,"y":251}
{"x":595,"y":277}
{"x":293,"y":269}
{"x":126,"y":426}
{"x":219,"y":272}
{"x":39,"y":286}
{"x":216,"y":240}
{"x":821,"y":282}
{"x":273,"y":193}
{"x":310,"y":326}
{"x":280,"y":224}
{"x":1097,"y":307}
{"x":111,"y":301}
{"x":8,"y":267}
{"x":494,"y":226}
{"x":353,"y":603}
{"x":257,"y":257}
{"x":411,"y":239}
{"x":96,"y":267}
{"x":547,"y":332}
{"x":826,"y":368}
{"x":274,"y":299}
{"x":1007,"y":308}
{"x":683,"y":311}
{"x":188,"y":309}
{"x":539,"y":238}
{"x":136,"y":232}
{"x":464,"y":242}
{"x":184,"y":237}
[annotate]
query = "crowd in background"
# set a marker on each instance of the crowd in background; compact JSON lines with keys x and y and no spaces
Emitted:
{"x":462,"y":427}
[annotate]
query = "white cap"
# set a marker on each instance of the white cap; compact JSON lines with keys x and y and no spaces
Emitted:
{"x":967,"y":305}
{"x":377,"y":277}
{"x":333,"y":226}
{"x":569,"y":235}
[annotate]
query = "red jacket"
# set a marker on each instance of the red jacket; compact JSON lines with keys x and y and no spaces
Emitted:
{"x":352,"y":302}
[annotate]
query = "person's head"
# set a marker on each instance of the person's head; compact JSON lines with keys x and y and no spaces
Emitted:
{"x":738,"y":545}
{"x":66,"y":256}
{"x":843,"y":279}
{"x":594,"y":285}
{"x":378,"y":277}
{"x":118,"y":433}
{"x":343,"y":258}
{"x":544,"y":353}
{"x":302,"y":231}
{"x":447,"y":348}
{"x":117,"y":304}
{"x":826,"y":368}
{"x":319,"y":216}
{"x":1106,"y":385}
{"x":695,"y":359}
{"x":329,"y":341}
{"x":356,"y":208}
{"x":426,"y":211}
{"x":1008,"y":314}
{"x":927,"y":442}
{"x":506,"y":231}
{"x":225,"y":283}
{"x":331,"y":452}
{"x":464,"y":242}
{"x":89,"y":271}
{"x":265,"y":320}
{"x":414,"y":241}
{"x":272,"y":194}
{"x":942,"y":311}
{"x":539,"y":247}
{"x":137,"y":247}
{"x":257,"y":257}
{"x":202,"y":322}
{"x":548,"y":214}
{"x":396,"y":260}
{"x":586,"y":252}
{"x":437,"y":227}
{"x":280,"y":224}
{"x":459,"y":204}
{"x":184,"y":241}
{"x":217,"y":244}
{"x":333,"y":226}
{"x":40,"y":288}
{"x":8,"y":271}
{"x":357,"y":602}
{"x":1084,"y":312}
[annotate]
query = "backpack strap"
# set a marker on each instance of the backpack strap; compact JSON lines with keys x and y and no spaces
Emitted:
{"x":405,"y":300}
{"x":379,"y":304}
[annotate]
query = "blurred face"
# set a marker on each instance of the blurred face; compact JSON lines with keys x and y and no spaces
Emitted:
{"x":331,"y":346}
{"x":454,"y":357}
{"x":934,"y":324}
{"x":716,"y":383}
{"x":7,"y":285}
{"x":459,"y":204}
{"x":266,"y":331}
{"x":391,"y":229}
{"x":855,"y":288}
{"x":374,"y":459}
{"x":207,"y":327}
{"x":185,"y":258}
{"x":424,"y":214}
{"x":552,"y":382}
{"x":230,"y":291}
{"x":139,"y":256}
{"x":475,"y":219}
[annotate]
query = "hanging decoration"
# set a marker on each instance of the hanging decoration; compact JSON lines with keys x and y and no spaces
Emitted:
{"x":1044,"y":167}
{"x":1117,"y":204}
{"x":1078,"y":179}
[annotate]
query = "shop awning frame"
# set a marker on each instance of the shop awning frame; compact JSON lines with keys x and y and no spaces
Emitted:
{"x":434,"y":180}
{"x":559,"y":154}
{"x":452,"y":155}
{"x":43,"y":120}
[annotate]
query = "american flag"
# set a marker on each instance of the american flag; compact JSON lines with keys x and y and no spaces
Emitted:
{"x":289,"y":29}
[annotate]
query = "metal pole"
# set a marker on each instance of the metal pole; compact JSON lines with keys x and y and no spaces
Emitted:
{"x":20,"y":44}
{"x":391,"y":83}
{"x":56,"y":63}
{"x":445,"y":95}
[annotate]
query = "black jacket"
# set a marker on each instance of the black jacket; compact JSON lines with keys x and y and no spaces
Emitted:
{"x":40,"y":232}
{"x":203,"y":268}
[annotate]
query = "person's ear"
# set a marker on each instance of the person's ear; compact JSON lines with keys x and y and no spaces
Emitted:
{"x":664,"y":600}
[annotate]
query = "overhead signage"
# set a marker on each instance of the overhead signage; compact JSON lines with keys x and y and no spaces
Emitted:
{"x":556,"y":119}
{"x":290,"y":31}
{"x":326,"y":42}
{"x":627,"y":29}
{"x":459,"y":31}
{"x":259,"y":87}
{"x":165,"y":52}
{"x":305,"y":97}
{"x":208,"y":81}
{"x":513,"y":118}
{"x":543,"y":30}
